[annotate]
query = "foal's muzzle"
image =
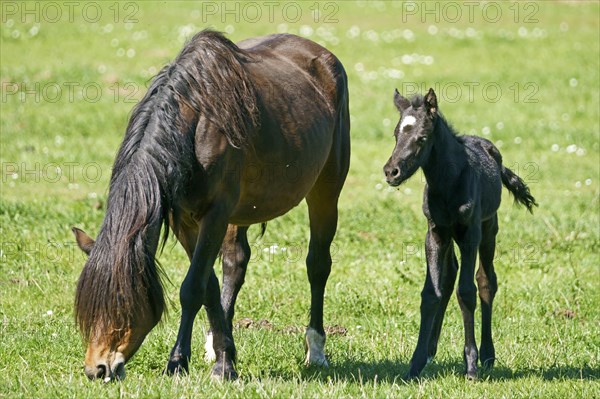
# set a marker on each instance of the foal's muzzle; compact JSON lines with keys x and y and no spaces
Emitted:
{"x":392,"y":175}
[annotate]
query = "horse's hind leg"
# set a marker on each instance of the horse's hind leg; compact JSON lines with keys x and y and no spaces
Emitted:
{"x":322,"y":203}
{"x":236,"y":254}
{"x":323,"y":222}
{"x":487,"y":284}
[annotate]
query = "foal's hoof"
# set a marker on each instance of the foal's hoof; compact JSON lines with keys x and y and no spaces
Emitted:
{"x":411,"y":376}
{"x":177,"y":367}
{"x":471,"y":375}
{"x":223,"y":371}
{"x":488,"y":363}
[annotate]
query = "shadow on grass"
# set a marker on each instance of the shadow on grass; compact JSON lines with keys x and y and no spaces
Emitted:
{"x":392,"y":371}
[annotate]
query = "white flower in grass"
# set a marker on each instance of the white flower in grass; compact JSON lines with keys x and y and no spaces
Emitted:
{"x":571,"y":148}
{"x":353,"y":32}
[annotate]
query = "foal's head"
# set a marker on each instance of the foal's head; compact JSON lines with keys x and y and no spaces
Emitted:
{"x":413,"y":135}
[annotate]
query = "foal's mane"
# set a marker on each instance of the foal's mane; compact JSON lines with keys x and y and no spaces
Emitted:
{"x":418,"y":100}
{"x":150,"y":173}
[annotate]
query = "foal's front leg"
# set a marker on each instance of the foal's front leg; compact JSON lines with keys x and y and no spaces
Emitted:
{"x":199,"y":287}
{"x":487,"y":285}
{"x":434,"y":296}
{"x":467,"y":294}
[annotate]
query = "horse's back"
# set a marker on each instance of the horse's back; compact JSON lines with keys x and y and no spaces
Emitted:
{"x":295,"y":58}
{"x":302,"y":96}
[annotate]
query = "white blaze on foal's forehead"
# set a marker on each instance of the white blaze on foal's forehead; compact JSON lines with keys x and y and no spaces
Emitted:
{"x":407,"y":121}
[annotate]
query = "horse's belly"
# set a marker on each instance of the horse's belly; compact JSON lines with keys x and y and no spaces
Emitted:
{"x":271,"y":190}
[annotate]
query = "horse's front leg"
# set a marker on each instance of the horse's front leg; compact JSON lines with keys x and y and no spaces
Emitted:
{"x":434,"y":296}
{"x":236,"y":254}
{"x":199,"y":287}
{"x":466,"y":293}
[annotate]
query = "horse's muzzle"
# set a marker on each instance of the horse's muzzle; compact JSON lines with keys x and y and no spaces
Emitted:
{"x":116,"y":371}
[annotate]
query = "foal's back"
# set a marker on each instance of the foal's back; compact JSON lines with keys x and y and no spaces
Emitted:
{"x":485,"y":160}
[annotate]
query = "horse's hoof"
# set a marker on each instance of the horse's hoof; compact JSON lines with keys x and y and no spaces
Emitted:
{"x":314,"y":343}
{"x":209,"y":352}
{"x":410,"y":376}
{"x":177,"y":367}
{"x":223,"y":371}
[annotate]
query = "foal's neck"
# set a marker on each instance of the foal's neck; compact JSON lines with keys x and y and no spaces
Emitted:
{"x":446,"y":160}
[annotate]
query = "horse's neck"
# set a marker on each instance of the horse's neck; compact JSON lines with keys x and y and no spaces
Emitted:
{"x":446,"y":160}
{"x":135,"y":209}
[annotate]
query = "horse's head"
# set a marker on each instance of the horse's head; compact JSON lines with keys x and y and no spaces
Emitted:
{"x":112,"y":332}
{"x":413,"y":135}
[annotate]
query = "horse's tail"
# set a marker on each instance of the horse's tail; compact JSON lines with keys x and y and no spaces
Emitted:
{"x":518,"y":188}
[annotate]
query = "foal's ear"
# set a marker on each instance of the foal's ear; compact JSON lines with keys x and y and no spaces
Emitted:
{"x":401,"y":102}
{"x":84,"y":242}
{"x":431,"y":102}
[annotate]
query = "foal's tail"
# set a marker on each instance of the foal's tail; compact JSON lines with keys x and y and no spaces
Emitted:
{"x":518,"y":188}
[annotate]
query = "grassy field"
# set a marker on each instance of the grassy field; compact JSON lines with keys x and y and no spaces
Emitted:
{"x":525,"y":75}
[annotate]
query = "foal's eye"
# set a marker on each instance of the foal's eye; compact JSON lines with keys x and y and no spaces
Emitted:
{"x":421,"y":140}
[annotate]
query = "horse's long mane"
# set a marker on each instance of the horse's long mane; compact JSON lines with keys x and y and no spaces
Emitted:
{"x":150,"y":173}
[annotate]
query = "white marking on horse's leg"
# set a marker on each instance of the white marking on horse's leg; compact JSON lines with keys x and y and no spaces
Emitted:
{"x":407,"y":121}
{"x":209,"y":351}
{"x":315,"y":348}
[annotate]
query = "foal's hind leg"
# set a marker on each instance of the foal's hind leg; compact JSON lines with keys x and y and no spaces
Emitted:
{"x":236,"y":254}
{"x":467,"y":294}
{"x":487,"y":284}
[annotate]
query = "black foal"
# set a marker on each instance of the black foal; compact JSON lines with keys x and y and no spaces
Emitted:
{"x":464,"y":184}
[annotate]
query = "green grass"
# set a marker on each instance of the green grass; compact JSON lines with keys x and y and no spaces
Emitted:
{"x":546,"y":121}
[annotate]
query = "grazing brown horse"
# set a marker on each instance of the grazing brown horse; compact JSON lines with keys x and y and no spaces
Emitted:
{"x":227,"y":136}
